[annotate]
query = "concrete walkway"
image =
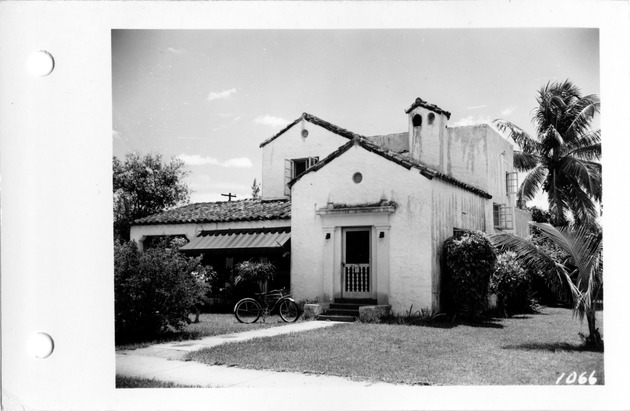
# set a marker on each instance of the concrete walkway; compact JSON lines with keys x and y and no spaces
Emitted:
{"x":165,"y":362}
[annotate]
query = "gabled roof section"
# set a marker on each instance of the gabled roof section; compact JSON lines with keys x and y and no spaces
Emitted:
{"x":421,"y":103}
{"x":398,"y":158}
{"x":314,"y":120}
{"x":222,"y":211}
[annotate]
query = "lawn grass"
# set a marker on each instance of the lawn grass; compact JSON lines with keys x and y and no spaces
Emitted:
{"x":209,"y":325}
{"x":137,"y":382}
{"x":530,"y":349}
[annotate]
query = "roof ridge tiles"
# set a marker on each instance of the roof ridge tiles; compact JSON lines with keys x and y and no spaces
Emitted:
{"x":403,"y":161}
{"x":313,"y":120}
{"x":421,"y":103}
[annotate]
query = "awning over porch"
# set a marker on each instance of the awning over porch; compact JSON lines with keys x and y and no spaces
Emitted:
{"x":251,"y":238}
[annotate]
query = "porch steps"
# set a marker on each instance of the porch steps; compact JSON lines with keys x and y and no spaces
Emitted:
{"x":345,"y":310}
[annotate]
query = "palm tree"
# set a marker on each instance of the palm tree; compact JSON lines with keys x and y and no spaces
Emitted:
{"x":563,"y":157}
{"x":582,"y":268}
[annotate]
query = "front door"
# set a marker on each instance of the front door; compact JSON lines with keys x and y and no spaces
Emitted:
{"x":356,"y":270}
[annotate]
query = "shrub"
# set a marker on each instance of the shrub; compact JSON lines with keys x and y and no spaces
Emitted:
{"x":254,"y":272}
{"x":156,"y":290}
{"x":424,"y":316}
{"x":469,"y":260}
{"x":512,"y":285}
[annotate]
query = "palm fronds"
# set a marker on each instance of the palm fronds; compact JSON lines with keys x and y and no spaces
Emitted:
{"x":582,"y":269}
{"x":565,"y":147}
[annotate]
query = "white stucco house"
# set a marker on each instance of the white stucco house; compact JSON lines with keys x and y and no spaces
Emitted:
{"x":364,"y":217}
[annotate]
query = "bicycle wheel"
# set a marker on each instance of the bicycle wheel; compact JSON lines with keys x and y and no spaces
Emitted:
{"x":247,"y":310}
{"x":289,"y":311}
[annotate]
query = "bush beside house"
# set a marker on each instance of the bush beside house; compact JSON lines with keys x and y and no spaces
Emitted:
{"x":511,"y":283}
{"x":156,"y":290}
{"x":470,"y":259}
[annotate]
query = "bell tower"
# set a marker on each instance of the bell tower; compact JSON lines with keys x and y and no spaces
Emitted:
{"x":427,"y":128}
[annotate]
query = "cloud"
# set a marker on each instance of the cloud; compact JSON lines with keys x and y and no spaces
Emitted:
{"x":216,"y":95}
{"x":508,"y":111}
{"x":239,"y":162}
{"x":470,"y":121}
{"x":197,"y":160}
{"x":176,"y":50}
{"x":272,"y":121}
{"x":476,"y":107}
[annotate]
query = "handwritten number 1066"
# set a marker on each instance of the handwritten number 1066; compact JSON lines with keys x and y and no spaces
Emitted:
{"x":581,"y":379}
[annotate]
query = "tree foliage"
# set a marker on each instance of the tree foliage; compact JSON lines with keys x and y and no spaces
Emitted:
{"x":255,"y":190}
{"x":469,"y":259}
{"x":144,"y":185}
{"x":582,"y":268}
{"x":563,"y":158}
{"x":549,"y":289}
{"x":156,"y":289}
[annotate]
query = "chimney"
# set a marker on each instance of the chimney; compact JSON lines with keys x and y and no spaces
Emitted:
{"x":427,"y":128}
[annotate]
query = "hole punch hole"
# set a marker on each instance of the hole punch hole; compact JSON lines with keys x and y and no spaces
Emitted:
{"x":40,"y":63}
{"x":40,"y":345}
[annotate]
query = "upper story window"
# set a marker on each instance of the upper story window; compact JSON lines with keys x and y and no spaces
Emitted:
{"x":511,"y":182}
{"x":417,"y":120}
{"x":295,"y":167}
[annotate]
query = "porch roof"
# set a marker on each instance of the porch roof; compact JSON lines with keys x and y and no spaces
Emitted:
{"x":258,"y":238}
{"x":222,"y":211}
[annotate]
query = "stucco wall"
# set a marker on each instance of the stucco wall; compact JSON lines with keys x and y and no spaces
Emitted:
{"x":291,"y":145}
{"x":139,"y":232}
{"x":521,"y":220}
{"x":402,"y":257}
{"x":479,"y":156}
{"x":397,"y":142}
{"x":467,"y":155}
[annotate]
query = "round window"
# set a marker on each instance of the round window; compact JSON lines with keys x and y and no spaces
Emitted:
{"x":357,"y":178}
{"x":304,"y":133}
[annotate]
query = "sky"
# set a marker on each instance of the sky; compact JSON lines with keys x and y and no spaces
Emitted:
{"x":210,"y":97}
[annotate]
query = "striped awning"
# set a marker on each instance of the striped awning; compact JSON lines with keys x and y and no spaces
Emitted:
{"x":273,"y":237}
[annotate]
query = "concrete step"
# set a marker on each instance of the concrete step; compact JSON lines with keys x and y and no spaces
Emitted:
{"x":360,"y":301}
{"x":342,"y":318}
{"x":337,"y":306}
{"x":343,"y":311}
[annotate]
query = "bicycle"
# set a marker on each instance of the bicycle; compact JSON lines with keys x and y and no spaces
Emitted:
{"x":249,"y":310}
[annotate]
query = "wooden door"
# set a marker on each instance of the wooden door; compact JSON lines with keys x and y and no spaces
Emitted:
{"x":356,"y":265}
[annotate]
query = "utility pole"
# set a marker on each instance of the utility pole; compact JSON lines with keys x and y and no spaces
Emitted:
{"x":229,"y":196}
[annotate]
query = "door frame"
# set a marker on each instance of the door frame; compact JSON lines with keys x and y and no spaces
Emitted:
{"x":370,"y":292}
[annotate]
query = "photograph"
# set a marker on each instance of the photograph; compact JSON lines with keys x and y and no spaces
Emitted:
{"x":357,"y":207}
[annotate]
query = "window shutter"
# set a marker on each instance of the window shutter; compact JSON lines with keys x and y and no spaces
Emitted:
{"x":288,"y":166}
{"x":511,"y":180}
{"x":312,"y":161}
